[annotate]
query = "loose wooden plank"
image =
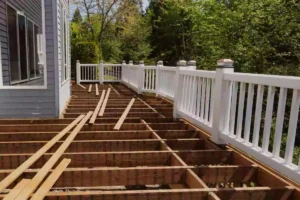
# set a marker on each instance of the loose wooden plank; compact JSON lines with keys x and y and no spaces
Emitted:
{"x":90,"y":88}
{"x":38,"y":178}
{"x":17,"y":172}
{"x":97,"y":91}
{"x":47,"y":185}
{"x":17,"y":189}
{"x":82,"y":86}
{"x":101,"y":113}
{"x":96,"y":111}
{"x":124,"y":115}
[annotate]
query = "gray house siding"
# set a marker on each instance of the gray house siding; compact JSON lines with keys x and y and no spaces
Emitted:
{"x":30,"y":103}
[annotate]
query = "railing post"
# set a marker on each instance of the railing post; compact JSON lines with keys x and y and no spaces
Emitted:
{"x":123,"y":76}
{"x":140,"y":77}
{"x":101,"y":72}
{"x":78,"y":72}
{"x":191,"y":65}
{"x":177,"y":91}
{"x":220,"y":99}
{"x":159,"y":64}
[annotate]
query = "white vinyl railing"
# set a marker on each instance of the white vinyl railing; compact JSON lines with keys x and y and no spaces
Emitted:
{"x":165,"y":83}
{"x":257,"y":114}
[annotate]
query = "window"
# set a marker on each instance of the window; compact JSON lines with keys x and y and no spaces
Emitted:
{"x":64,"y":45}
{"x":23,"y":35}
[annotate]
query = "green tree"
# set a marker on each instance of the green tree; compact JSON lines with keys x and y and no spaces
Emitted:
{"x":77,"y":16}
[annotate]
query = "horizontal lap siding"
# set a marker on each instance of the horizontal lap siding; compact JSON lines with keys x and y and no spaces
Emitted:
{"x":29,"y":103}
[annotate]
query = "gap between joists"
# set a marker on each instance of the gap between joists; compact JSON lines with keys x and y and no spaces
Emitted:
{"x":151,"y":107}
{"x":192,"y":179}
{"x":114,"y":89}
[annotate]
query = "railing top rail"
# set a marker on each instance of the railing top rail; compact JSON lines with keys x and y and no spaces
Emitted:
{"x":150,"y":67}
{"x":202,"y":73}
{"x":165,"y":68}
{"x":262,"y":79}
{"x":111,"y":65}
{"x":88,"y":64}
{"x":133,"y":66}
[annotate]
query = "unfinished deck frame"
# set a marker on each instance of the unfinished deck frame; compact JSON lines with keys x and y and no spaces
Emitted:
{"x":152,"y":156}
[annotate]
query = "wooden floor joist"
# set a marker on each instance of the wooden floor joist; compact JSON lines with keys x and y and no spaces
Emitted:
{"x":96,"y":111}
{"x":97,"y":91}
{"x":101,"y":113}
{"x":16,"y":173}
{"x":151,"y":156}
{"x":50,"y":181}
{"x":124,"y":115}
{"x":38,"y":178}
{"x":17,"y":189}
{"x":82,"y":86}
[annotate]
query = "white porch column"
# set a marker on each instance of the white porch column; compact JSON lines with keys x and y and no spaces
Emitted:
{"x":157,"y":86}
{"x":101,"y":72}
{"x":140,"y":77}
{"x":180,"y":65}
{"x":78,"y":72}
{"x":220,"y":99}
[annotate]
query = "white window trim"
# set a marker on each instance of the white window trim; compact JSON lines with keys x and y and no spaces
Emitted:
{"x":65,"y":54}
{"x":33,"y":87}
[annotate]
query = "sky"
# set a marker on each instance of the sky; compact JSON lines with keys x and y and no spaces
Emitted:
{"x":145,"y":4}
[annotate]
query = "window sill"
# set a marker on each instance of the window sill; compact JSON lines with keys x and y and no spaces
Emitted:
{"x":19,"y":87}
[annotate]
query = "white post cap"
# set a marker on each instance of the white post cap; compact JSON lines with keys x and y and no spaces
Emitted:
{"x":181,"y":63}
{"x":77,"y":61}
{"x":130,"y":62}
{"x":160,"y":62}
{"x":123,"y":62}
{"x":225,"y":63}
{"x":191,"y":63}
{"x":141,"y":62}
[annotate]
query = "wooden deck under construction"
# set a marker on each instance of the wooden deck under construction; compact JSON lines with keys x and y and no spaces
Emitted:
{"x":151,"y":157}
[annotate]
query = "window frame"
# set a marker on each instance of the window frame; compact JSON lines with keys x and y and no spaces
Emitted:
{"x":14,"y":84}
{"x":64,"y":47}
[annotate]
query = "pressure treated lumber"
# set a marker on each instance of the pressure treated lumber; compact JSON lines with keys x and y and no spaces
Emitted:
{"x":124,"y":115}
{"x":38,"y":178}
{"x":96,"y":111}
{"x":17,"y":172}
{"x":82,"y":86}
{"x":17,"y":189}
{"x":97,"y":91}
{"x":101,"y":113}
{"x":47,"y":185}
{"x":90,"y":88}
{"x":116,"y":91}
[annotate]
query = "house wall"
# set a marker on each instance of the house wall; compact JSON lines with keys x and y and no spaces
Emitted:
{"x":64,"y":87}
{"x":31,"y":103}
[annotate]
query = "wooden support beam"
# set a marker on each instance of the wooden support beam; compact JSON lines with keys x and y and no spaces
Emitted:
{"x":114,"y":89}
{"x":17,"y":172}
{"x":90,"y":88}
{"x":17,"y":189}
{"x":97,"y":91}
{"x":38,"y":178}
{"x":101,"y":113}
{"x":81,"y":86}
{"x":47,"y":185}
{"x":96,"y":111}
{"x":124,"y":115}
{"x":151,"y":107}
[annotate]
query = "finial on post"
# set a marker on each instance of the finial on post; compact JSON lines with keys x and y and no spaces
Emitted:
{"x":181,"y":63}
{"x":101,"y":61}
{"x":192,"y":65}
{"x":77,"y":61}
{"x":130,"y":62}
{"x":225,"y":63}
{"x":123,"y":62}
{"x":160,"y":63}
{"x":141,"y":62}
